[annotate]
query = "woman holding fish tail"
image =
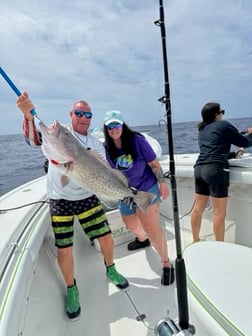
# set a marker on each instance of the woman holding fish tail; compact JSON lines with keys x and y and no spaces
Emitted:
{"x":129,"y":152}
{"x":68,"y":200}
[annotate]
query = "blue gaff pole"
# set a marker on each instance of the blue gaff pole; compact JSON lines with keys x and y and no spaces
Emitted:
{"x":15,"y":89}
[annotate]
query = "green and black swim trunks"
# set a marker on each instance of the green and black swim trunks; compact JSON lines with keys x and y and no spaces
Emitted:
{"x":90,"y":214}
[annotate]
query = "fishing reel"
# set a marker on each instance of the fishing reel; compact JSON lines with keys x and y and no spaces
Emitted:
{"x":167,"y":327}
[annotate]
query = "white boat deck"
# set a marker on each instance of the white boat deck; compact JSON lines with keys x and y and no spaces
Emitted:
{"x":106,"y":310}
{"x":32,"y":290}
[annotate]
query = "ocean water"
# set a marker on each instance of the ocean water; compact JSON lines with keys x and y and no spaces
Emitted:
{"x":21,"y":163}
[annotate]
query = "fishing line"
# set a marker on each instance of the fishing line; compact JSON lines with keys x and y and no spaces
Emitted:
{"x":140,"y":317}
{"x":181,"y":217}
{"x":22,"y":206}
{"x":15,"y":89}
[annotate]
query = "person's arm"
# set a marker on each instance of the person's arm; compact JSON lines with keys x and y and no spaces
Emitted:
{"x":236,"y":138}
{"x":247,"y":131}
{"x":31,"y":133}
{"x":158,"y":172}
{"x":237,"y":153}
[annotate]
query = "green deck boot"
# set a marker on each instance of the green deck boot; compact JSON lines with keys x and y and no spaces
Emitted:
{"x":72,"y":302}
{"x":116,"y":278}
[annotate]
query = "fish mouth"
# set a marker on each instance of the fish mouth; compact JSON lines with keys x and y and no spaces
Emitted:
{"x":50,"y":129}
{"x":52,"y":126}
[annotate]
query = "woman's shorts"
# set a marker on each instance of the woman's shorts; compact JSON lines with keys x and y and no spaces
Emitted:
{"x":126,"y":210}
{"x":211,"y":179}
{"x":90,"y":214}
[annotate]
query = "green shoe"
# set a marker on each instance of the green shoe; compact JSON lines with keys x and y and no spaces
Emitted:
{"x":72,"y":302}
{"x":116,"y":278}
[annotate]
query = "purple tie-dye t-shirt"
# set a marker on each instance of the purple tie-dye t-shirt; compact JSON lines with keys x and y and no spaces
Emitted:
{"x":137,"y":171}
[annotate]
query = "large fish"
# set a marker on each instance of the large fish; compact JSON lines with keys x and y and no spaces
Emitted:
{"x":87,"y":168}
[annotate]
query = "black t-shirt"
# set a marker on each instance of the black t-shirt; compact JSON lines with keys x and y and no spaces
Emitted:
{"x":215,"y":141}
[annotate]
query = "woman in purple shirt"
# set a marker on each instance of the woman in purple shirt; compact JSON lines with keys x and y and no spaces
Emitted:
{"x":129,"y":152}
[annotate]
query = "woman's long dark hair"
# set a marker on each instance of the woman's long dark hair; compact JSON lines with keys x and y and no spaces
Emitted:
{"x":126,"y":139}
{"x":208,"y":114}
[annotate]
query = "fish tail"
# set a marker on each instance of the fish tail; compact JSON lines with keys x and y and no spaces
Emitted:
{"x":143,"y":199}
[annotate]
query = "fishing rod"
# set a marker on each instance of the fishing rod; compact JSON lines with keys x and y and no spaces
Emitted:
{"x":15,"y":89}
{"x":168,"y":327}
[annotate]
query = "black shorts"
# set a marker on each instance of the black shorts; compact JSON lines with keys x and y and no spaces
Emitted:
{"x":211,"y":179}
{"x":90,"y":214}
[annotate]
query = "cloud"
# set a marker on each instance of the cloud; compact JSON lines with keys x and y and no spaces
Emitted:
{"x":110,"y":55}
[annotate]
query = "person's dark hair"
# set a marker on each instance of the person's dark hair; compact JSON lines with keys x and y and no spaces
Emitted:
{"x":127,"y":142}
{"x":208,"y":114}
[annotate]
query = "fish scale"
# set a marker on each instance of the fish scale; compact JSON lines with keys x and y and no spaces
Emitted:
{"x":86,"y":168}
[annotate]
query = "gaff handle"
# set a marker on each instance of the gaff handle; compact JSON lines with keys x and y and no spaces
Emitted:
{"x":13,"y":86}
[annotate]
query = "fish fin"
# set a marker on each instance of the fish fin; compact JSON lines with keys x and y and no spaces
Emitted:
{"x":143,"y":199}
{"x":69,"y":166}
{"x":108,"y":203}
{"x":64,"y":180}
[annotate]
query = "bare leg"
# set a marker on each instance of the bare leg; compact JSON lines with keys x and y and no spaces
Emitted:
{"x":219,"y":214}
{"x":150,"y":223}
{"x":200,"y":202}
{"x":134,"y":225}
{"x":107,"y":248}
{"x":66,"y":264}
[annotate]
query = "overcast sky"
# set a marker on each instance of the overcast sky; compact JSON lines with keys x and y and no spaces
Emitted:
{"x":108,"y":52}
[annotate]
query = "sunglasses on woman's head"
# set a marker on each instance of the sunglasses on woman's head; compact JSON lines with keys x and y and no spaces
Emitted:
{"x":114,"y":126}
{"x":80,"y":113}
{"x":221,"y":111}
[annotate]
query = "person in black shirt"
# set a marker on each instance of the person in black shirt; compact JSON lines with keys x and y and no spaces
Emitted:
{"x":211,"y":170}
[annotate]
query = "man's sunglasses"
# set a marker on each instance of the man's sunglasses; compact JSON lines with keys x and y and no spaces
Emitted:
{"x":114,"y":126}
{"x":221,"y":111}
{"x":80,"y":113}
